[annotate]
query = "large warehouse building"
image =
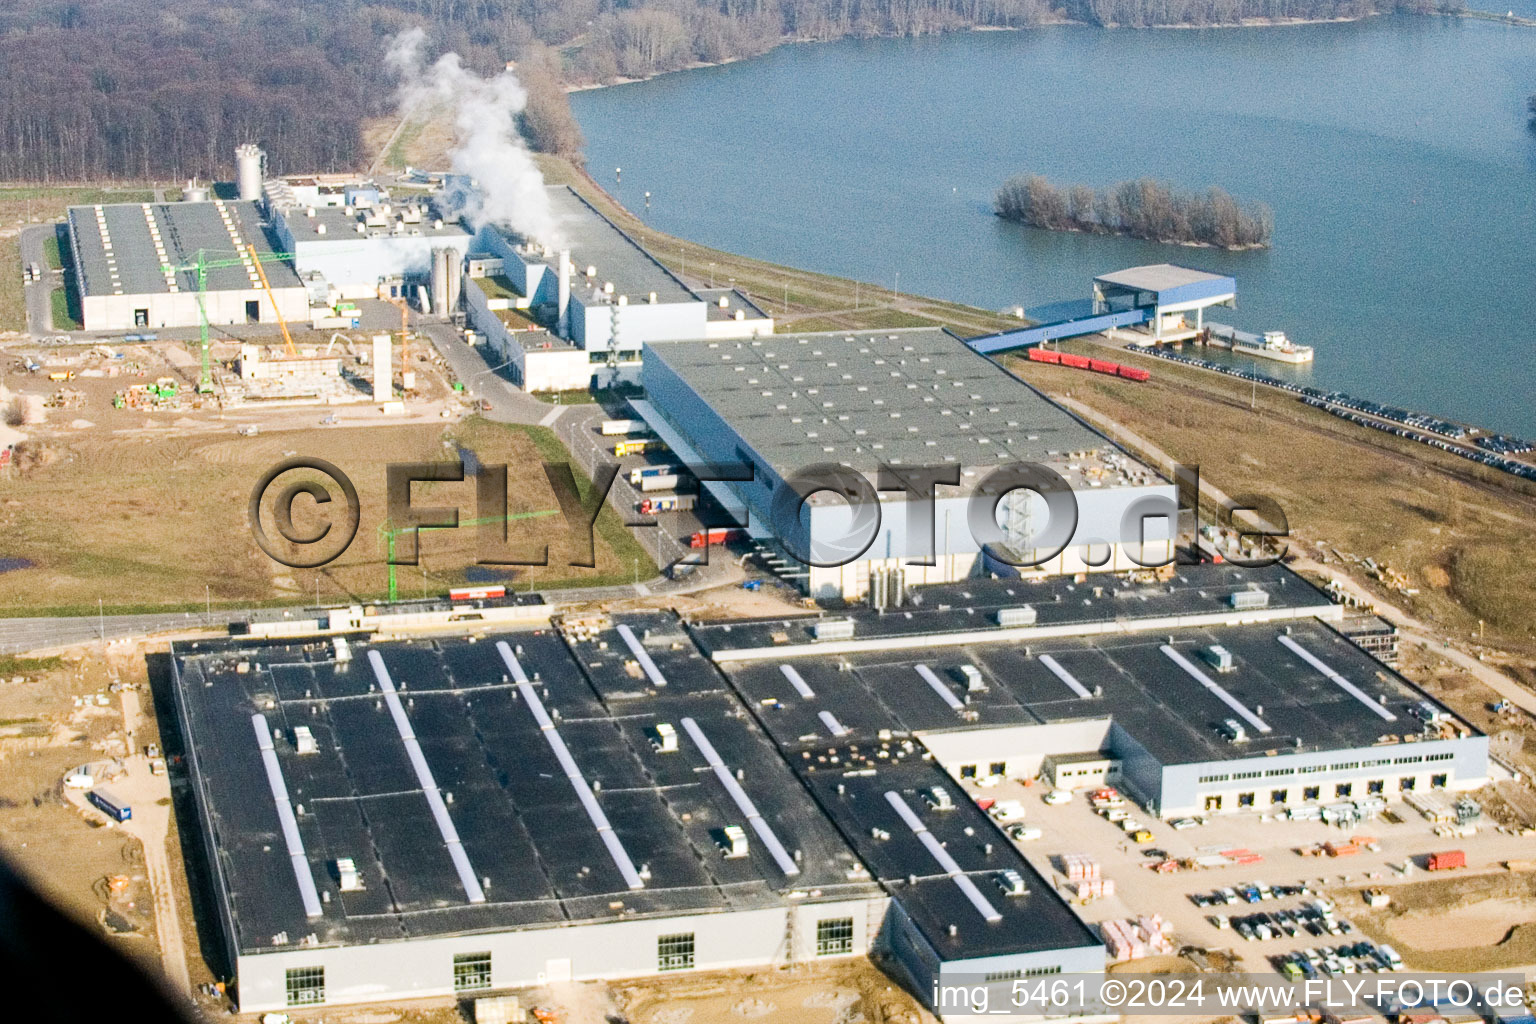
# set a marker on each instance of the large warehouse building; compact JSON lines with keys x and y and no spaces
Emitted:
{"x":135,"y":266}
{"x":907,"y":399}
{"x":633,"y":796}
{"x":1227,"y":690}
{"x":392,"y":820}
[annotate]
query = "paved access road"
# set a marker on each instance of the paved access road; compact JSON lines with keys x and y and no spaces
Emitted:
{"x":41,"y":633}
{"x":39,"y":302}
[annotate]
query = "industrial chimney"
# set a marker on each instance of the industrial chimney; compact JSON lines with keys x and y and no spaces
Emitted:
{"x":250,"y":169}
{"x":563,"y":293}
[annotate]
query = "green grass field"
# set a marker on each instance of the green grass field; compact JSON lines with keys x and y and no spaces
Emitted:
{"x":13,"y":303}
{"x":66,"y":312}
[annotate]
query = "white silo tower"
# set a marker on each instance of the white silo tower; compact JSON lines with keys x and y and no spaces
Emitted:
{"x":250,"y":169}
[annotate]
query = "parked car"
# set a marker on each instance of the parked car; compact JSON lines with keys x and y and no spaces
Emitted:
{"x":1059,"y":796}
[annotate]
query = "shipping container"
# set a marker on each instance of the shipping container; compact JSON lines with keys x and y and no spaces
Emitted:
{"x":476,"y":593}
{"x":111,"y":805}
{"x":638,"y":475}
{"x":667,"y":482}
{"x":667,"y":503}
{"x":639,"y":446}
{"x":709,"y":538}
{"x":1446,"y":860}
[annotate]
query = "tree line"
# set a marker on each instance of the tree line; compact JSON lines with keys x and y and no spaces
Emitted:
{"x":112,"y":89}
{"x":1145,"y":13}
{"x":1143,"y":208}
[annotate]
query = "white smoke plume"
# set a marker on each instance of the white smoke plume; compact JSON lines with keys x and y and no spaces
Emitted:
{"x":487,"y":148}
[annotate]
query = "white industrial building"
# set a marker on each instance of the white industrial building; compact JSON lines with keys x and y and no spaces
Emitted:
{"x":354,"y":247}
{"x":605,"y":295}
{"x":135,"y":266}
{"x":912,"y":400}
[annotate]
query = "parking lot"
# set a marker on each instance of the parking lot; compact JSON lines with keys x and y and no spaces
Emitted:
{"x":1294,"y":882}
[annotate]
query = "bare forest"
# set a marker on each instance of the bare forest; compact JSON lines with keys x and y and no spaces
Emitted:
{"x":116,"y":89}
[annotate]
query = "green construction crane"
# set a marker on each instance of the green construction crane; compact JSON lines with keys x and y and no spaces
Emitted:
{"x":389,"y":535}
{"x":200,"y":268}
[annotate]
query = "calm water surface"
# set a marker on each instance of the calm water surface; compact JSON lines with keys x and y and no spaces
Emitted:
{"x":1395,"y":153}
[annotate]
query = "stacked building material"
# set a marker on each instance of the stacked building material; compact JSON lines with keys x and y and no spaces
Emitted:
{"x":1092,"y":889}
{"x":1148,"y":935}
{"x":1079,"y":867}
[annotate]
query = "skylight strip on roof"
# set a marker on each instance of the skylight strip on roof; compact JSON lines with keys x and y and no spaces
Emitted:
{"x":797,"y":681}
{"x":835,"y":727}
{"x":428,"y":784}
{"x":610,"y":839}
{"x":285,"y":818}
{"x":1211,"y":684}
{"x":1338,"y":680}
{"x":1067,"y":677}
{"x":573,"y":773}
{"x":641,"y":655}
{"x":944,"y":692}
{"x":780,"y":856}
{"x":941,"y":855}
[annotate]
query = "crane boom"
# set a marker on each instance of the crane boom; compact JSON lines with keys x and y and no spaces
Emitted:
{"x":267,"y":287}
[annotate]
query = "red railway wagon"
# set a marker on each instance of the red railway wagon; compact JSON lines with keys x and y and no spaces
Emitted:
{"x":709,"y":538}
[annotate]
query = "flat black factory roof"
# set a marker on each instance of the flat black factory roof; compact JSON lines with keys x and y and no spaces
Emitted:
{"x":123,"y":248}
{"x":528,"y":841}
{"x":857,"y":793}
{"x":1058,"y":601}
{"x":1126,"y":677}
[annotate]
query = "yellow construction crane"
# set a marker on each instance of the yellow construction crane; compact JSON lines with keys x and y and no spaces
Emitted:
{"x":267,"y":287}
{"x":405,"y":351}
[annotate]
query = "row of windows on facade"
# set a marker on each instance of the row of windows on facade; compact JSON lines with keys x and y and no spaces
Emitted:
{"x":472,"y":971}
{"x":1438,"y":780}
{"x":1020,"y":972}
{"x":1342,"y":791}
{"x":1312,"y":769}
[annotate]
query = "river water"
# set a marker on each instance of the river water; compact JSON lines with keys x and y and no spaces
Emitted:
{"x":1395,"y":153}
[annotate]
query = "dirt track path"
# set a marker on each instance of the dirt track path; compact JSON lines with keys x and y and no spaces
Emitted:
{"x":150,"y":824}
{"x":1410,"y":629}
